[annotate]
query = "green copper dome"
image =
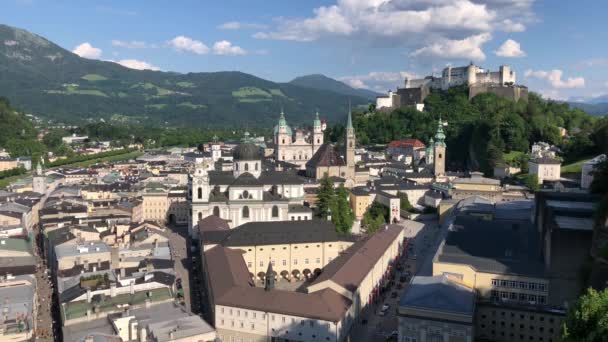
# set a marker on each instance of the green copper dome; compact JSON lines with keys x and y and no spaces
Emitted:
{"x":439,"y":135}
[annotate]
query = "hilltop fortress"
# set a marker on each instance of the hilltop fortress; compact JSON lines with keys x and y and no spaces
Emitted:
{"x":479,"y":80}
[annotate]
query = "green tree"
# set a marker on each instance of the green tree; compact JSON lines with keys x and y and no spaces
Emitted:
{"x":531,"y":181}
{"x":342,"y":215}
{"x":587,"y":321}
{"x":405,"y":202}
{"x":325,"y":196}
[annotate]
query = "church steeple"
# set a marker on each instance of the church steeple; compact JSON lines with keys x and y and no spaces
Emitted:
{"x":439,"y":135}
{"x":269,"y":279}
{"x":439,"y":149}
{"x":350,"y":140}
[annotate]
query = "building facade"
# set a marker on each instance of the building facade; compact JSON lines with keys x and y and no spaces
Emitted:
{"x":297,"y":147}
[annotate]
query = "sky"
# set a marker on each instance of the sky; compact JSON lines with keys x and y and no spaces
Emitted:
{"x":558,"y":48}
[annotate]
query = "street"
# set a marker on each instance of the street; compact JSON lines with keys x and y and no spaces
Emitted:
{"x":178,"y":241}
{"x":45,"y":329}
{"x":373,"y":325}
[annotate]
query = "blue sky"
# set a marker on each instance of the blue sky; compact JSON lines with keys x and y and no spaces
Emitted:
{"x":558,"y":48}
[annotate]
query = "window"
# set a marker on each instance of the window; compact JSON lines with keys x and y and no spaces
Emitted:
{"x":275,"y":211}
{"x":249,"y":264}
{"x":245,"y":212}
{"x":532,"y":298}
{"x":216,"y":211}
{"x":542,"y":287}
{"x":295,"y":261}
{"x":522,"y":296}
{"x":318,"y":261}
{"x":504,"y":283}
{"x":261,"y":263}
{"x":306,"y":261}
{"x":256,"y":166}
{"x":522,"y":285}
{"x":246,"y":166}
{"x":200,"y":216}
{"x":494,"y":282}
{"x":200,"y":193}
{"x":532,"y":286}
{"x":542,"y":299}
{"x":245,"y":194}
{"x":284,"y":262}
{"x":237,"y":166}
{"x":252,"y":326}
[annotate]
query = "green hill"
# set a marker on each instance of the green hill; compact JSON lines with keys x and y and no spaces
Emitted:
{"x":322,"y":82}
{"x":41,"y":78}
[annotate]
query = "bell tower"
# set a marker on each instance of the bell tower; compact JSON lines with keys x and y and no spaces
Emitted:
{"x":439,"y":149}
{"x":38,"y":180}
{"x":317,"y":134}
{"x":350,"y":142}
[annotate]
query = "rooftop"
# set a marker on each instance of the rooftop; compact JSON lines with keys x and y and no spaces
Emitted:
{"x":439,"y":293}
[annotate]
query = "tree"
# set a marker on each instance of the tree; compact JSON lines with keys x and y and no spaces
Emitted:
{"x":587,"y":321}
{"x":531,"y":181}
{"x":405,"y":202}
{"x":325,"y":196}
{"x":342,"y":215}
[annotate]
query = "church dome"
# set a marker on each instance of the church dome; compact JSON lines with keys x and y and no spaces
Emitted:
{"x":246,"y":152}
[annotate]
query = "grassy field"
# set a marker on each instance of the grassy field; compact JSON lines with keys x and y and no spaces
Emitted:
{"x":277,"y":92}
{"x":575,"y":167}
{"x":245,"y":92}
{"x":119,"y":157}
{"x":508,"y":157}
{"x":157,"y":106}
{"x":191,"y":105}
{"x":74,"y":90}
{"x":94,"y":77}
{"x":185,"y":84}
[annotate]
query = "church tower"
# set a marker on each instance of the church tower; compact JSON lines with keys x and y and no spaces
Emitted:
{"x":317,"y":134}
{"x":350,"y":142}
{"x":39,"y":181}
{"x":439,"y":151}
{"x":283,"y":136}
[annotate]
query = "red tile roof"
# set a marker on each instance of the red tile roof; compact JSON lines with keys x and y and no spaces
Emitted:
{"x":406,"y":142}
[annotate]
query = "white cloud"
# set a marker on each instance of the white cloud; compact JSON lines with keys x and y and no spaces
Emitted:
{"x":186,"y":44}
{"x":510,"y":49}
{"x":509,"y":25}
{"x":237,"y":25}
{"x":467,"y":48}
{"x":554,"y":78}
{"x":87,"y":50}
{"x":408,"y":23}
{"x":137,"y":64}
{"x":224,"y":47}
{"x":134,"y":44}
{"x":378,"y":80}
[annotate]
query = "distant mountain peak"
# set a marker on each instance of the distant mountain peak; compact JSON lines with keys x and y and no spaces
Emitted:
{"x":322,"y":82}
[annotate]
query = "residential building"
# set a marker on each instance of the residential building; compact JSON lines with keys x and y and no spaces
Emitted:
{"x":545,"y":168}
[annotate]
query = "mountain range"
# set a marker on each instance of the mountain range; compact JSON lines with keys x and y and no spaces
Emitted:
{"x":44,"y":79}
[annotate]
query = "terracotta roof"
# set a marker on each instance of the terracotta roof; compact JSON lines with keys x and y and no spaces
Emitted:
{"x":230,"y":285}
{"x":406,"y":142}
{"x":349,"y":269}
{"x":212,"y":223}
{"x":326,"y":155}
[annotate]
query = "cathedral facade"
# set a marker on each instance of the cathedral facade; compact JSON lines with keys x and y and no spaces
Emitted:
{"x":245,"y":194}
{"x":299,"y":145}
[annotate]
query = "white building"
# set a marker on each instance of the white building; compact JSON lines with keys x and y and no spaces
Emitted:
{"x":586,"y":176}
{"x":545,"y":169}
{"x":297,"y":147}
{"x":245,"y":194}
{"x":465,"y":75}
{"x":74,"y":139}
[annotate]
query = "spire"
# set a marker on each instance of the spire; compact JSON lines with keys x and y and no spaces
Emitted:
{"x":269,"y":280}
{"x":439,"y":135}
{"x":39,"y":167}
{"x":317,"y":121}
{"x":282,"y":121}
{"x":349,"y":123}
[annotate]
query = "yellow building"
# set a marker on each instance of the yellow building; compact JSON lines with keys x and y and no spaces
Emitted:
{"x":7,"y":164}
{"x":296,"y":249}
{"x":360,"y":200}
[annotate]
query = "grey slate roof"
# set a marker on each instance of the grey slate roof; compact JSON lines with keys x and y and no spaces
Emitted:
{"x":274,"y":233}
{"x":439,"y":293}
{"x":496,"y":246}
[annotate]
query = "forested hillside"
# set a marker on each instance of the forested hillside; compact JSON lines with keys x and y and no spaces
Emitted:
{"x":41,"y":78}
{"x":481,"y":131}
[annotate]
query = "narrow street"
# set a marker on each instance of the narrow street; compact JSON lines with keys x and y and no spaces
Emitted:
{"x":178,"y":241}
{"x":377,"y":327}
{"x":47,"y":314}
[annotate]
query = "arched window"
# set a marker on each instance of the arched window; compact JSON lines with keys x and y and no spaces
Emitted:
{"x":318,"y":141}
{"x":256,"y":166}
{"x":200,"y":215}
{"x":246,"y":166}
{"x":216,"y":211}
{"x":245,"y":194}
{"x":245,"y":212}
{"x":283,"y":141}
{"x":350,"y":144}
{"x":200,"y":193}
{"x":237,"y":166}
{"x":275,"y":211}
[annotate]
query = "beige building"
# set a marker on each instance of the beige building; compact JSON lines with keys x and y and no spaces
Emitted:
{"x":7,"y":164}
{"x":476,"y":185}
{"x":360,"y":201}
{"x":310,"y":247}
{"x":296,"y":147}
{"x":495,"y":252}
{"x":545,"y":169}
{"x":325,"y":310}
